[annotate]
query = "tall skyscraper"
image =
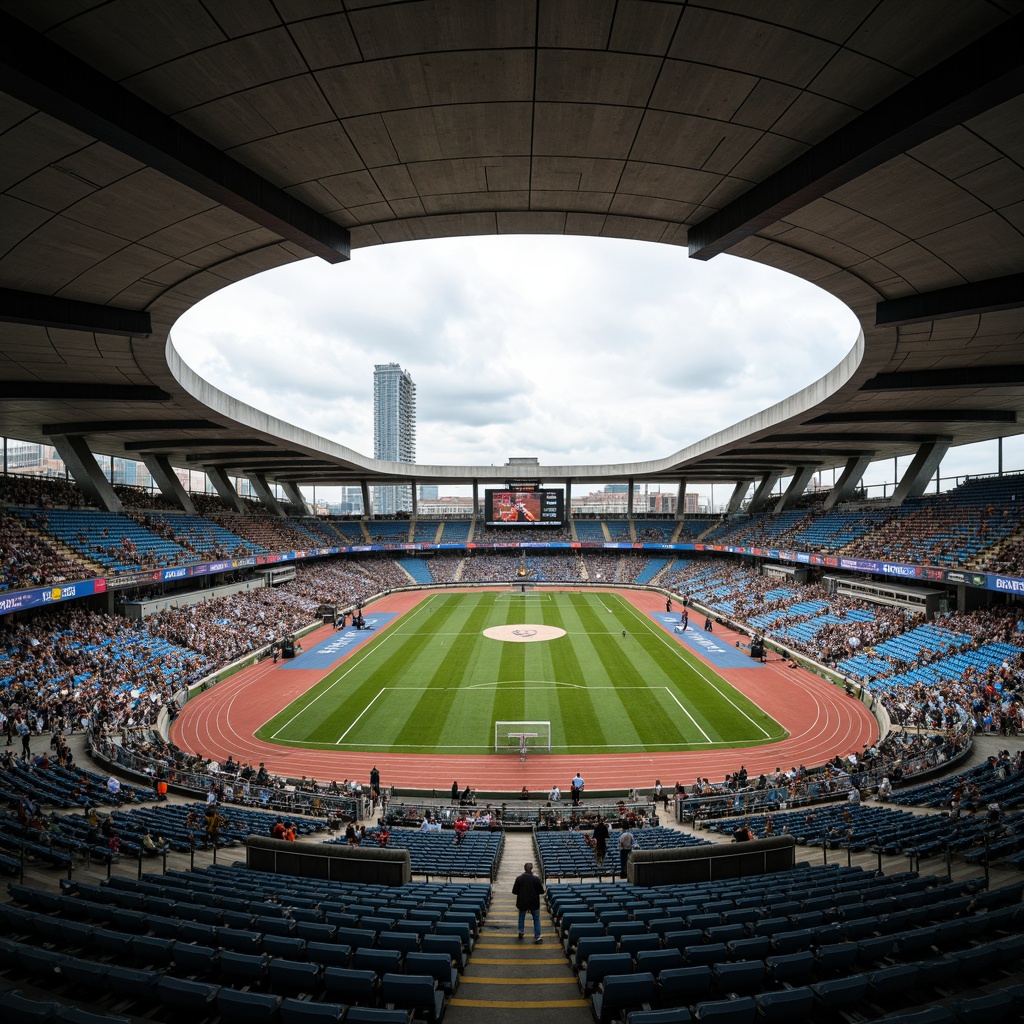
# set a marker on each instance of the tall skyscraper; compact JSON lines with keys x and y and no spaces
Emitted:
{"x":394,"y":431}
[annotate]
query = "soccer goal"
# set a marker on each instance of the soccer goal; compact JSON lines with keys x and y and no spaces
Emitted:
{"x":520,"y":737}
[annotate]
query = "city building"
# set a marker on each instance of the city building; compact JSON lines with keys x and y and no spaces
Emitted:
{"x":394,"y":431}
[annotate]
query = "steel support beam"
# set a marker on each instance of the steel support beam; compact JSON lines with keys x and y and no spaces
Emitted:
{"x":82,"y":465}
{"x":848,"y":480}
{"x":764,"y":490}
{"x":989,"y":296}
{"x":801,"y":478}
{"x":219,"y":478}
{"x":55,"y":81}
{"x":72,"y":315}
{"x":979,"y":77}
{"x":162,"y":472}
{"x":921,"y":469}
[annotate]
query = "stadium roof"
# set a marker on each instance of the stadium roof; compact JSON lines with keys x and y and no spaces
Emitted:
{"x":155,"y":152}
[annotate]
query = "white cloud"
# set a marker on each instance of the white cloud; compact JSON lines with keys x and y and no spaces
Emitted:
{"x":576,"y":350}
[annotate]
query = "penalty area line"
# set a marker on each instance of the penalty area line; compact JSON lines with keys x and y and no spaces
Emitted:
{"x":707,"y":738}
{"x":361,"y":713}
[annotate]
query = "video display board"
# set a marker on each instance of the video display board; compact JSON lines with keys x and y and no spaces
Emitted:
{"x":524,"y":508}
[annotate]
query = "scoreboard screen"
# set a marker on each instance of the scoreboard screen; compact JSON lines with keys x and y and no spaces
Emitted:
{"x":524,"y":508}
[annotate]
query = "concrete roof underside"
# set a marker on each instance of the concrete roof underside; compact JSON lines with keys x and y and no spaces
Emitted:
{"x":152,"y":153}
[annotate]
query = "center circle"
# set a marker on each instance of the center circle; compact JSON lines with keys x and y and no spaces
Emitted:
{"x":525,"y":633}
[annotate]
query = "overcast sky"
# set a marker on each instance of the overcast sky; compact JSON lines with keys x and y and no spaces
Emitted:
{"x":574,"y":350}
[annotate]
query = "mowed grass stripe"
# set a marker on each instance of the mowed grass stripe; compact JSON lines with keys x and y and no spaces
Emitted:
{"x":283,"y":722}
{"x":735,"y":714}
{"x":444,"y":684}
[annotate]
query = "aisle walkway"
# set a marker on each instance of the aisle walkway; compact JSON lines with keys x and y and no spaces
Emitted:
{"x":512,"y":980}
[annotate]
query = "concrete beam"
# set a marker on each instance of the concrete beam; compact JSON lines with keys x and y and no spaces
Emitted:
{"x":264,"y":493}
{"x":739,"y":492}
{"x":37,"y":310}
{"x":764,"y":490}
{"x":82,"y":465}
{"x":801,"y":478}
{"x":921,"y":469}
{"x":993,"y":295}
{"x":218,"y":476}
{"x":848,"y":480}
{"x":162,"y":472}
{"x":296,"y":497}
{"x":979,"y":77}
{"x":42,"y":74}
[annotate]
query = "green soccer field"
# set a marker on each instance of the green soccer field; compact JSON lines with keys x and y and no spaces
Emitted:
{"x":434,"y":683}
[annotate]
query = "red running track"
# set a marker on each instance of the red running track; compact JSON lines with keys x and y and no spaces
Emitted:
{"x":821,"y":720}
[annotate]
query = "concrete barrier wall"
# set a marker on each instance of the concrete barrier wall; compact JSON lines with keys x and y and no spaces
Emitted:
{"x":366,"y":864}
{"x":707,"y":863}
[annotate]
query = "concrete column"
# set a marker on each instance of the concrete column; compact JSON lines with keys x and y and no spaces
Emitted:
{"x":681,"y":499}
{"x":856,"y":465}
{"x":568,"y":500}
{"x":219,"y":478}
{"x":801,"y":478}
{"x":415,"y":500}
{"x":739,"y":492}
{"x":764,"y":490}
{"x":263,"y":492}
{"x":83,"y":467}
{"x":367,"y":504}
{"x":927,"y":460}
{"x":295,"y":496}
{"x":160,"y":470}
{"x":629,"y":499}
{"x":476,"y":498}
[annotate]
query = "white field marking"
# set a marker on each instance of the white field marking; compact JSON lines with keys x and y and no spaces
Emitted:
{"x":660,"y":633}
{"x":360,"y":715}
{"x":688,"y":715}
{"x":356,"y":662}
{"x":571,"y":748}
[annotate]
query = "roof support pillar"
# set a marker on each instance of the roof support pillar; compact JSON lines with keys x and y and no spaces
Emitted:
{"x":296,"y":497}
{"x":739,"y":492}
{"x":681,"y":499}
{"x":848,"y":480}
{"x":629,"y":498}
{"x":568,"y":496}
{"x":219,"y":478}
{"x":266,"y":496}
{"x":160,"y":470}
{"x":414,"y":491}
{"x":367,"y":504}
{"x":764,"y":490}
{"x":82,"y":465}
{"x":928,"y":458}
{"x":801,"y":478}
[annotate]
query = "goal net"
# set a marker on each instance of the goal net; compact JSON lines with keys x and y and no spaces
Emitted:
{"x":517,"y":737}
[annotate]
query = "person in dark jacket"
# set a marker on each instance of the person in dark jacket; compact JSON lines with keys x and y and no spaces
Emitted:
{"x":528,"y":890}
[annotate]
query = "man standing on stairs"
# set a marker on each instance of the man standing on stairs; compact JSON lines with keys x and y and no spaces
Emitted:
{"x":528,"y":890}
